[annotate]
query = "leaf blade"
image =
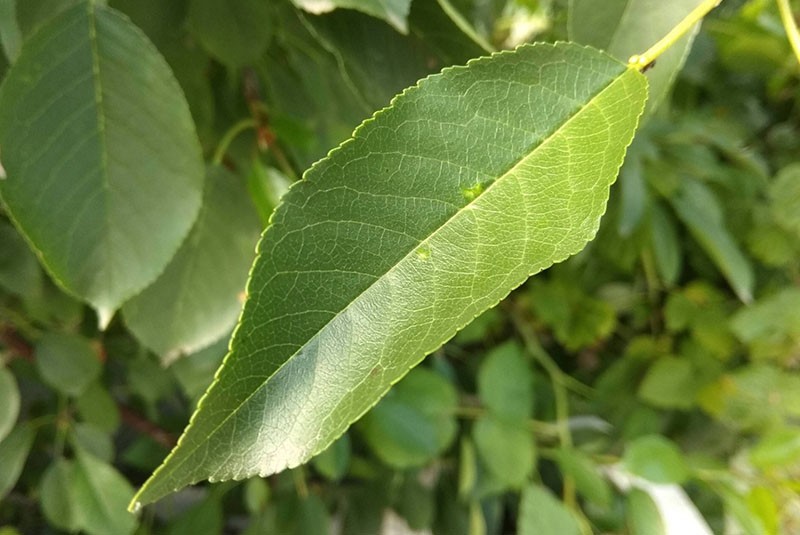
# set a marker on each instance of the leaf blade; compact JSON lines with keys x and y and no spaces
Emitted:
{"x":104,"y":169}
{"x":435,"y":266}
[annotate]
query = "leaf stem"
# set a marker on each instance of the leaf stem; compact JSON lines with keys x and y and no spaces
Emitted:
{"x":641,"y":61}
{"x":229,"y":136}
{"x":790,"y":24}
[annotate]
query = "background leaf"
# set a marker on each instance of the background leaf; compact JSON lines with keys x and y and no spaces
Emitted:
{"x":67,"y":362}
{"x":58,"y":495}
{"x":540,"y":512}
{"x":101,"y":494}
{"x":627,"y":27}
{"x":104,"y":193}
{"x":9,"y":402}
{"x":414,"y":423}
{"x":414,"y":280}
{"x":233,"y":31}
{"x":395,"y":12}
{"x":197,"y":299}
{"x":14,"y":449}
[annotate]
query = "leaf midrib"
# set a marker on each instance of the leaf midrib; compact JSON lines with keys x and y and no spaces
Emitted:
{"x":500,"y":178}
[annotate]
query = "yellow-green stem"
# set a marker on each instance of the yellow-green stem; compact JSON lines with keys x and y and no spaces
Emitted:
{"x":790,"y":24}
{"x":640,"y":61}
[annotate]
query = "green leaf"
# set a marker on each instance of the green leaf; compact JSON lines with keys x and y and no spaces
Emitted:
{"x":785,"y":195}
{"x":656,"y":459}
{"x":584,"y":472}
{"x":415,"y":422}
{"x":101,"y":494}
{"x":97,"y":407}
{"x":698,"y":208}
{"x":400,"y":238}
{"x":9,"y":402}
{"x":395,"y":12}
{"x":755,"y":397}
{"x":13,"y":453}
{"x":541,"y":513}
{"x":33,"y":14}
{"x":627,"y":27}
{"x":93,"y":440}
{"x":771,"y":327}
{"x":67,"y":362}
{"x":204,"y":518}
{"x":233,"y":31}
{"x":10,"y":32}
{"x":670,"y":383}
{"x":643,"y":517}
{"x":779,"y":449}
{"x":19,"y":270}
{"x":256,"y":495}
{"x":507,"y":449}
{"x":505,"y":383}
{"x":197,"y":299}
{"x":334,"y":461}
{"x":666,"y":246}
{"x":58,"y":495}
{"x":106,"y":181}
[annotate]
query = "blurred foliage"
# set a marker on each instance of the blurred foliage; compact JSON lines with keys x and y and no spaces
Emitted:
{"x":665,"y":356}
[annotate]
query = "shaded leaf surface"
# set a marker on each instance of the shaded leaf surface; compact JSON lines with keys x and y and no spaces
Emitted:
{"x":14,"y":451}
{"x":100,"y":496}
{"x":9,"y":402}
{"x":395,"y":12}
{"x":234,"y":31}
{"x":627,"y":27}
{"x":67,"y":362}
{"x":435,"y":210}
{"x":198,"y":297}
{"x":540,"y":512}
{"x":104,"y":168}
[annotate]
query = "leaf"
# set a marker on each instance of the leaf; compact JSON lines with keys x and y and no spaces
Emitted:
{"x":9,"y":402}
{"x":19,"y":269}
{"x":204,"y":518}
{"x":233,"y":31}
{"x":415,"y":422}
{"x":395,"y":12}
{"x":540,"y":512}
{"x":13,"y":453}
{"x":584,"y":472}
{"x":656,"y":459}
{"x":67,"y":362}
{"x":401,"y":237}
{"x":643,"y":517}
{"x":105,"y":180}
{"x":666,"y":247}
{"x":10,"y":32}
{"x":771,"y":326}
{"x":58,"y":495}
{"x":627,"y":27}
{"x":779,"y":449}
{"x":785,"y":195}
{"x":334,"y":461}
{"x":699,"y":210}
{"x":197,"y":299}
{"x":97,"y":407}
{"x":505,"y":383}
{"x":507,"y":449}
{"x":101,"y":494}
{"x":670,"y":383}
